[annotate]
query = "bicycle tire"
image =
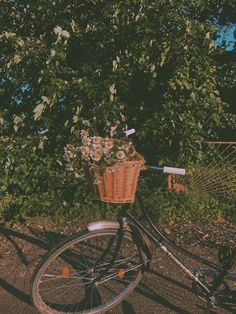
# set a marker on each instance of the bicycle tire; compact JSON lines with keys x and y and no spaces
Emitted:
{"x":70,"y":262}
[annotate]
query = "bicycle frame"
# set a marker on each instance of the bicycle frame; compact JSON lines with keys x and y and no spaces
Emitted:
{"x":127,"y":221}
{"x":128,"y":215}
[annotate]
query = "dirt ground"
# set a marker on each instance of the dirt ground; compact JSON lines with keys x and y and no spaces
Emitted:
{"x":163,"y":289}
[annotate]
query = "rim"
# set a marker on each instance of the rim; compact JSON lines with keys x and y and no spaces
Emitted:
{"x":78,"y":280}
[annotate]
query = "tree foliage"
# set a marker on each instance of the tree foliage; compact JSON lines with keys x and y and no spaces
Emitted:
{"x":215,"y":11}
{"x":62,"y":62}
{"x":65,"y":61}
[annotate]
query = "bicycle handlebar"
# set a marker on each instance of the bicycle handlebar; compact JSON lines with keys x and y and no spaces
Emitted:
{"x":129,"y":132}
{"x":125,"y":133}
{"x":179,"y":171}
{"x":164,"y":169}
{"x":122,"y":131}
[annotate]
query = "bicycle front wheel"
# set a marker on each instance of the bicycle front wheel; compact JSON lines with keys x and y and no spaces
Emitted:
{"x":77,"y":277}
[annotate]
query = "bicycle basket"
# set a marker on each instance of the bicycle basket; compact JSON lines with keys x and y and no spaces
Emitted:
{"x":115,"y":184}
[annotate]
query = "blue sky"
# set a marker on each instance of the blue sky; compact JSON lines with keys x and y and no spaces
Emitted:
{"x":227,"y":33}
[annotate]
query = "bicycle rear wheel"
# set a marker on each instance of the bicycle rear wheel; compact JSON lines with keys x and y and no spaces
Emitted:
{"x":75,"y":278}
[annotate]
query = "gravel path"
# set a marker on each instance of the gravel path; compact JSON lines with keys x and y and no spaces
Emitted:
{"x":163,"y":289}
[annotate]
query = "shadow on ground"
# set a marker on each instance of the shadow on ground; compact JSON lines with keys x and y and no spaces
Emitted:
{"x":163,"y":290}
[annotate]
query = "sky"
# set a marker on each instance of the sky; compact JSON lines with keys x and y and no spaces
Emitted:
{"x":227,"y":34}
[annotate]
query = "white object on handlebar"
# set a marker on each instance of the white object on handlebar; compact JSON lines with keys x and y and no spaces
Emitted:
{"x":129,"y":132}
{"x":179,"y":171}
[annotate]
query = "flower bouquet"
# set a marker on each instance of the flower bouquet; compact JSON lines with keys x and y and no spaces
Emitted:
{"x":112,"y":167}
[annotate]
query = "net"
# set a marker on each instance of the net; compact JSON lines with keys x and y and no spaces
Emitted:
{"x":215,"y":175}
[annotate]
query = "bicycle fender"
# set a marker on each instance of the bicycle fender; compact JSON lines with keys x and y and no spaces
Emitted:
{"x":104,"y":224}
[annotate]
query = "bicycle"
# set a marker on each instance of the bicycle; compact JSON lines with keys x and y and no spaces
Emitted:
{"x":94,"y":270}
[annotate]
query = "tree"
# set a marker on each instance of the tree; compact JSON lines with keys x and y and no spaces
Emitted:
{"x":66,"y":61}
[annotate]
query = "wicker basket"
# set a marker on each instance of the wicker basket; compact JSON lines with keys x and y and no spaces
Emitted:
{"x":116,"y":184}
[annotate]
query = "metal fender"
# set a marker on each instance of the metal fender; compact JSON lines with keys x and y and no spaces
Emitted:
{"x":104,"y":224}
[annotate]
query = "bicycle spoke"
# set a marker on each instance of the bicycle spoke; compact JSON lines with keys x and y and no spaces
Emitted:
{"x":112,"y":276}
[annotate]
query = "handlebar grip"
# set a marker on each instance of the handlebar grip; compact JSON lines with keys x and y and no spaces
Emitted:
{"x":129,"y":132}
{"x":172,"y":170}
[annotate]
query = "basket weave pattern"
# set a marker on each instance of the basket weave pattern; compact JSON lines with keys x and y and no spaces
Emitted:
{"x":116,"y":184}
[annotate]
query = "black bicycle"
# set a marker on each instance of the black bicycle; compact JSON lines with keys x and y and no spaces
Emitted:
{"x":94,"y":270}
